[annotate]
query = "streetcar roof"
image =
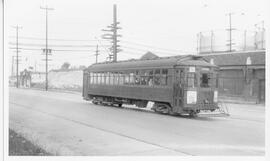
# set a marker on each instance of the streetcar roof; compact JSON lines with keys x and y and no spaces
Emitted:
{"x":168,"y":62}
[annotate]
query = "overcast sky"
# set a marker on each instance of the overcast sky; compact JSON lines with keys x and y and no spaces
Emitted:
{"x":170,"y":26}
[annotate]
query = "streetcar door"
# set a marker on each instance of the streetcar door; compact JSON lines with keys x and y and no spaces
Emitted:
{"x":178,"y":88}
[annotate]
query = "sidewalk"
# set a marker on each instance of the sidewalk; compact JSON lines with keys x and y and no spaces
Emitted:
{"x":238,"y":100}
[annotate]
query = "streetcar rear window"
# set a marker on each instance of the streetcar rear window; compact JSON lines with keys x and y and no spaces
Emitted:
{"x":204,"y":80}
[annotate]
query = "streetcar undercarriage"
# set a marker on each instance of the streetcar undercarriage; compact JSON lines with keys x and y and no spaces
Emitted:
{"x":158,"y":107}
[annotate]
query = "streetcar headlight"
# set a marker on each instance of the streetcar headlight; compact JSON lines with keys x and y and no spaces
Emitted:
{"x":215,"y":96}
{"x":191,"y":97}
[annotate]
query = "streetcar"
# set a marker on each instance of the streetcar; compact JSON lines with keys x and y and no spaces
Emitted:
{"x":182,"y":85}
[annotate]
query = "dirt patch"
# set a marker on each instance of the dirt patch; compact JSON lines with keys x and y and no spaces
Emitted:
{"x":19,"y":146}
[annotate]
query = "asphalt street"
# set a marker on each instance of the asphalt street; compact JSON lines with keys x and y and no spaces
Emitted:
{"x":65,"y":124}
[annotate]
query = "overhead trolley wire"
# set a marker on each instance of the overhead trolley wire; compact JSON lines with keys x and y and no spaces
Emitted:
{"x":145,"y":50}
{"x":155,"y":48}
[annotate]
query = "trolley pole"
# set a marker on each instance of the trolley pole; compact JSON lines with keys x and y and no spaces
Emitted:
{"x":17,"y":53}
{"x":46,"y":48}
{"x":114,"y":33}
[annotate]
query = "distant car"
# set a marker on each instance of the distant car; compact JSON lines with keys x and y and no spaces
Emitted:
{"x":177,"y":85}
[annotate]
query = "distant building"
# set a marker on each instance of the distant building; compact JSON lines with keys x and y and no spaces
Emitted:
{"x":37,"y":77}
{"x":241,"y":74}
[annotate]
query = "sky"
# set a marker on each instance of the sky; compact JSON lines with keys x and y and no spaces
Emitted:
{"x":164,"y":27}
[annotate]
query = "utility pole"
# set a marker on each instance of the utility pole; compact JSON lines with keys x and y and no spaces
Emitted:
{"x":17,"y":53}
{"x":212,"y":37}
{"x":113,"y":35}
{"x":230,"y":31}
{"x":35,"y":66}
{"x":263,"y":30}
{"x":12,"y":67}
{"x":97,"y":54}
{"x":46,"y":49}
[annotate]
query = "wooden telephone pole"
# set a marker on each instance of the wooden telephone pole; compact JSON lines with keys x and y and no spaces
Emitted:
{"x":113,"y":35}
{"x":17,"y":53}
{"x":46,"y":49}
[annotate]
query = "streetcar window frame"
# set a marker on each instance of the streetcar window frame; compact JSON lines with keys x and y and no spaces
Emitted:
{"x":191,"y":80}
{"x":145,"y":77}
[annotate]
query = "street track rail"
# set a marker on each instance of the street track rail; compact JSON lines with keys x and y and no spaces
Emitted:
{"x":177,"y":116}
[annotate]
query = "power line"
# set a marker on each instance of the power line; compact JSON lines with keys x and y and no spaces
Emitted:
{"x":106,"y":50}
{"x":79,"y":46}
{"x":36,"y":38}
{"x":138,"y":49}
{"x":81,"y":57}
{"x":157,"y":48}
{"x":59,"y":50}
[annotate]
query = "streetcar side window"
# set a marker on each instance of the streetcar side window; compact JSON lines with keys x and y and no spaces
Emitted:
{"x":116,"y":78}
{"x":91,"y":78}
{"x":126,"y":78}
{"x":164,"y":77}
{"x":150,"y":78}
{"x":107,"y":78}
{"x":98,"y":78}
{"x":132,"y":78}
{"x":157,"y":77}
{"x":121,"y":78}
{"x":137,"y":78}
{"x":94,"y":78}
{"x":143,"y":77}
{"x":111,"y":78}
{"x":102,"y":78}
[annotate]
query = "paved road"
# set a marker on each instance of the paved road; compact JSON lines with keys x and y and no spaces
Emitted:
{"x":64,"y":124}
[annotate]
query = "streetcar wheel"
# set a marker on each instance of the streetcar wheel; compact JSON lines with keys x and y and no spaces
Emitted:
{"x":193,"y":114}
{"x":120,"y":105}
{"x":171,"y":112}
{"x":95,"y":102}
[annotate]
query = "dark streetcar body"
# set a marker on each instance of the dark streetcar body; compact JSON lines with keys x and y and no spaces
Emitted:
{"x":176,"y":85}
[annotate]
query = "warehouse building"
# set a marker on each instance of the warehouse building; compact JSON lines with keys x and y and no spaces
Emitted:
{"x":242,"y":74}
